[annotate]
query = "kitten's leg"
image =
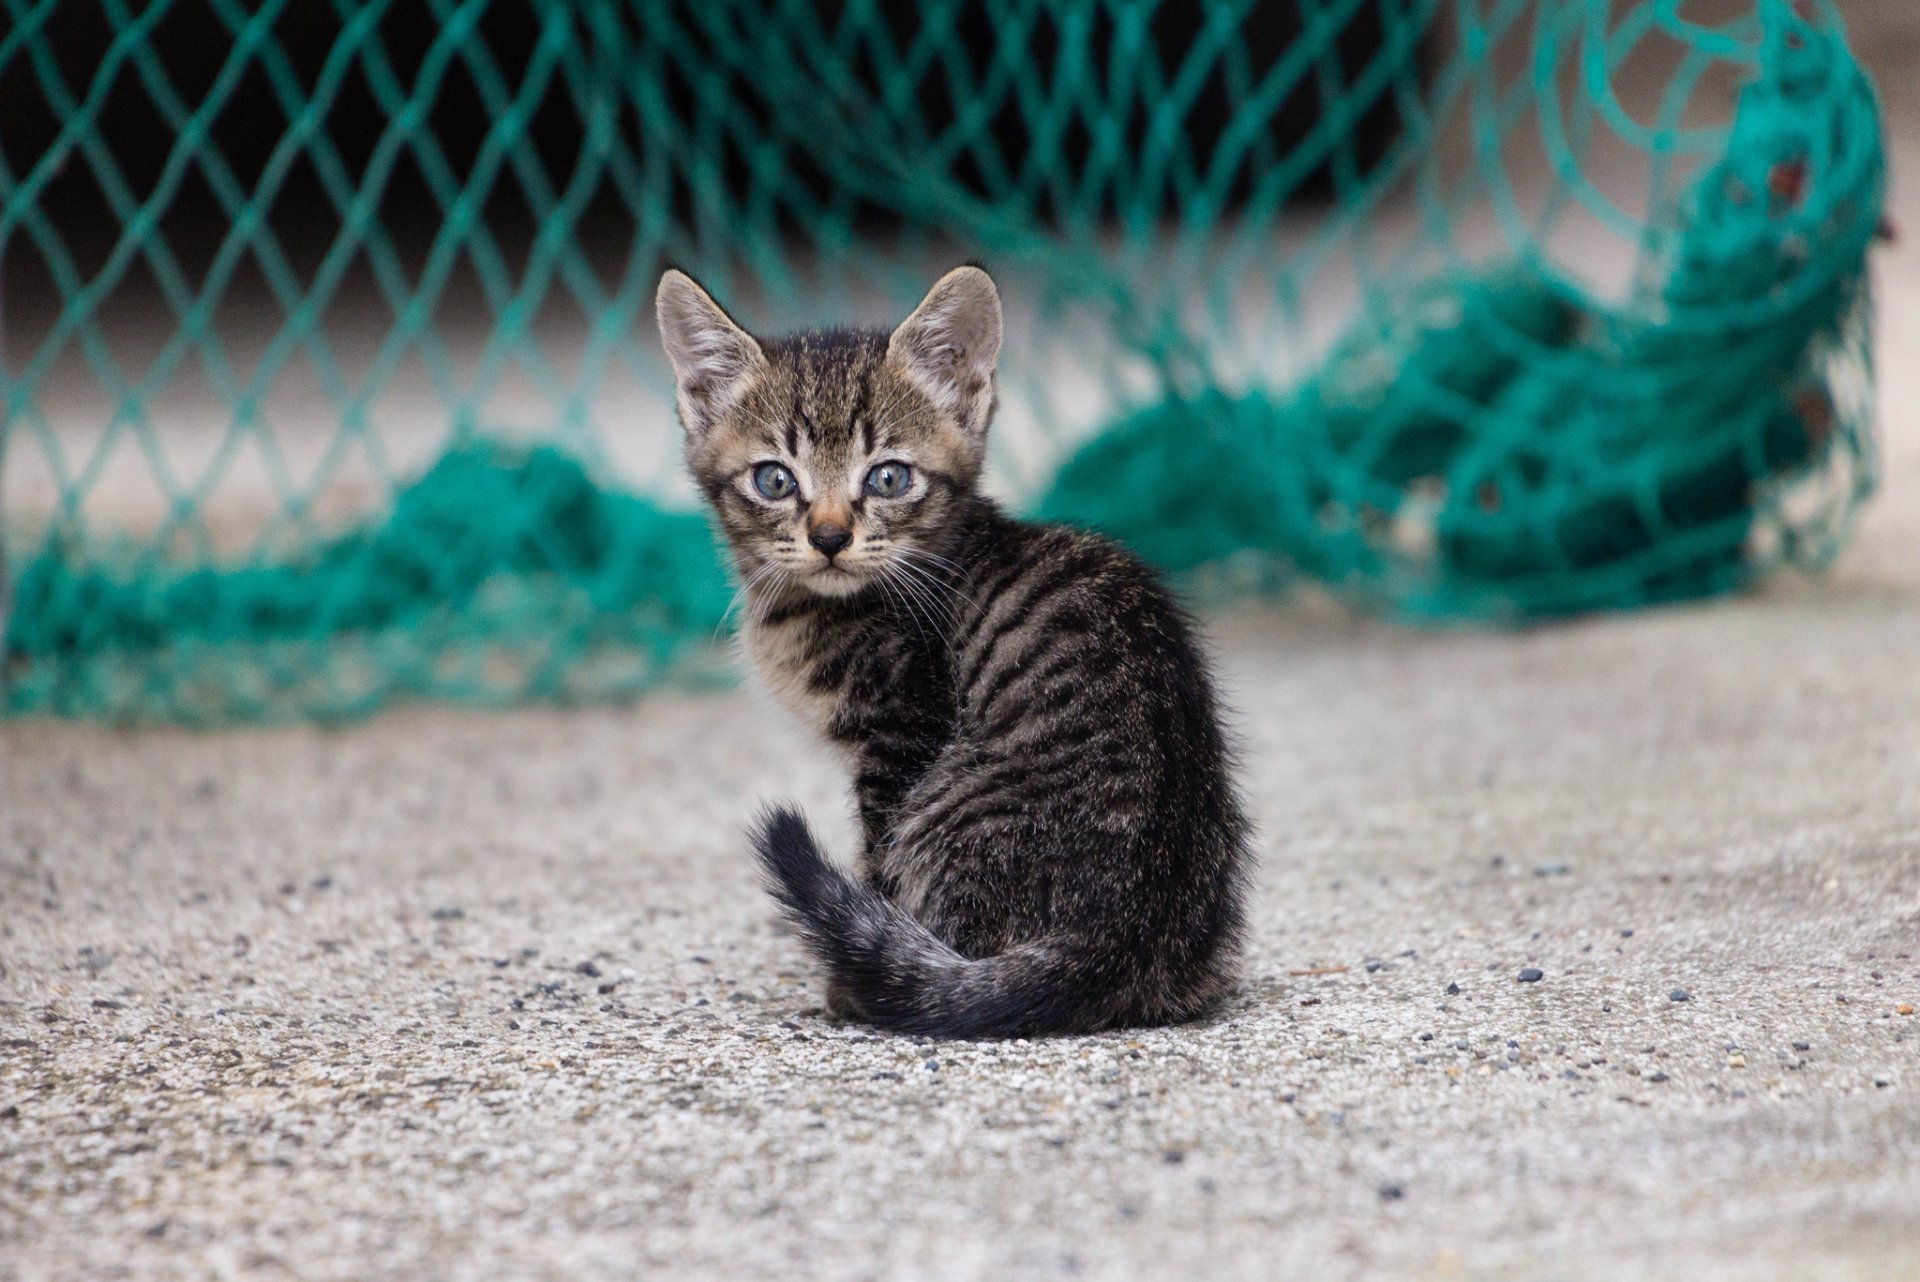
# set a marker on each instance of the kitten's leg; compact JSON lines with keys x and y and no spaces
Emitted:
{"x":896,"y":727}
{"x":840,"y":1003}
{"x":882,"y":783}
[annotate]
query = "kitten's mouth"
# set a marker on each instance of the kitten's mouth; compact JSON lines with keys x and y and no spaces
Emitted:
{"x":834,"y":580}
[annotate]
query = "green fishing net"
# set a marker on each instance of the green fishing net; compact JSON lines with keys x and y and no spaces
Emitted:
{"x":328,"y":374}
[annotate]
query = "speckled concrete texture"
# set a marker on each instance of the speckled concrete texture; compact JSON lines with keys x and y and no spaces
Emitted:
{"x":453,"y":996}
{"x":480,"y":997}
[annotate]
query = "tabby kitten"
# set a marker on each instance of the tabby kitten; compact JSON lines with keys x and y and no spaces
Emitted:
{"x":1053,"y":841}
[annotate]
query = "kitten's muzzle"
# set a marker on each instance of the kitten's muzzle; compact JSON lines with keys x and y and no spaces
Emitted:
{"x":829,"y":538}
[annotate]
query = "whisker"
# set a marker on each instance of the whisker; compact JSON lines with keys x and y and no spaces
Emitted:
{"x":888,"y":586}
{"x":914,"y":580}
{"x":741,"y":596}
{"x":757,"y":610}
{"x":901,"y":402}
{"x":918,"y":573}
{"x":936,"y":558}
{"x":761,"y":419}
{"x":913,"y":596}
{"x":898,"y":401}
{"x":905,"y":557}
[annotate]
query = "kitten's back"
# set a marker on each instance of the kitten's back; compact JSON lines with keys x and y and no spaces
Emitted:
{"x":1073,"y":858}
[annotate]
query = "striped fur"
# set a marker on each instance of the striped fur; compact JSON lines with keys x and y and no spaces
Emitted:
{"x":1051,"y":838}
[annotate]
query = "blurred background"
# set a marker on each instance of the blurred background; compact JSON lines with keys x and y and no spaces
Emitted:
{"x":330,"y":376}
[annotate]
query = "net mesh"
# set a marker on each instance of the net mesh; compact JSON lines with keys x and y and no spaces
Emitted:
{"x":329,"y":375}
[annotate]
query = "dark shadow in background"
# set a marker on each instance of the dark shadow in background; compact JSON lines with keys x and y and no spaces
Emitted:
{"x":194,"y":45}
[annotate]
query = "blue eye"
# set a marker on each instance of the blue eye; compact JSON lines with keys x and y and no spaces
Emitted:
{"x":774,"y":481}
{"x":889,"y":480}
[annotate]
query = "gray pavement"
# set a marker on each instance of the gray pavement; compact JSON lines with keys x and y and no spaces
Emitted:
{"x":495,"y":996}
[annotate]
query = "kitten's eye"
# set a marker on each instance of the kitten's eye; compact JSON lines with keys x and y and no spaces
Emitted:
{"x":889,"y":480}
{"x":774,"y":481}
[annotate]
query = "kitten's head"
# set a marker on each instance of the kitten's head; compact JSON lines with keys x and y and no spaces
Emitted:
{"x":832,"y":457}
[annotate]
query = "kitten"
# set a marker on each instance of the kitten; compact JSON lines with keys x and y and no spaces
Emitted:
{"x":1052,"y":839}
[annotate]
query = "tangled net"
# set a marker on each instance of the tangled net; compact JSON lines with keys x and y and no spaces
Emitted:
{"x":1472,"y":310}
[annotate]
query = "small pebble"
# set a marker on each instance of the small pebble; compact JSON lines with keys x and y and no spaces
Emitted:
{"x":1531,"y":975}
{"x":1391,"y":1192}
{"x":1551,"y":870}
{"x":1803,"y":1046}
{"x":1679,"y":995}
{"x":1904,"y":1008}
{"x":1453,"y":990}
{"x":1657,"y":1077}
{"x":448,"y":913}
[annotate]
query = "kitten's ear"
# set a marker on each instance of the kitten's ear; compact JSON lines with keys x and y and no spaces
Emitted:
{"x":949,"y":344}
{"x":714,"y":360}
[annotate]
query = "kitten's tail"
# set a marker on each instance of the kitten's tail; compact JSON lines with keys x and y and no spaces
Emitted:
{"x":896,"y":973}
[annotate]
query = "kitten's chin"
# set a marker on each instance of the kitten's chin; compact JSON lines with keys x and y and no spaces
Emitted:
{"x":834,"y":581}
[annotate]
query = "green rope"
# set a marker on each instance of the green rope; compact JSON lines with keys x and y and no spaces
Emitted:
{"x":488,"y":535}
{"x":1488,"y":439}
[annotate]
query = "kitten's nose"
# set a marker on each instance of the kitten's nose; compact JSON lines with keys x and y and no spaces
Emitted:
{"x":829,"y":537}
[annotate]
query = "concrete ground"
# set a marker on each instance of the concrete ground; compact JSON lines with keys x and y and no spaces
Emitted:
{"x":452,"y":996}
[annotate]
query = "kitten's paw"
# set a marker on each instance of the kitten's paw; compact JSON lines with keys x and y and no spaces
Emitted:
{"x":840,"y":1003}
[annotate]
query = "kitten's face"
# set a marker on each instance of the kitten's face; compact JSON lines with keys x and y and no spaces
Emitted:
{"x":835,"y":461}
{"x":832,"y":465}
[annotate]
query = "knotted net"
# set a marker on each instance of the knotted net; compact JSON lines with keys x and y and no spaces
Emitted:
{"x":329,"y":375}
